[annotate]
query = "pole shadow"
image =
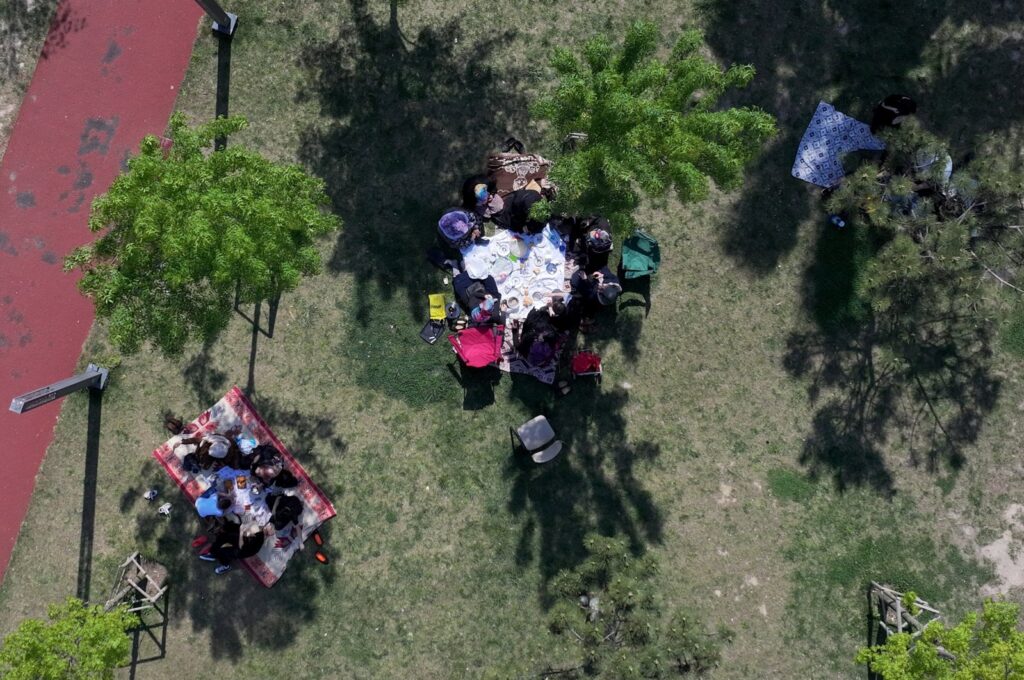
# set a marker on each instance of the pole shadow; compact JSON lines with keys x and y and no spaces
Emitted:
{"x":223,"y":82}
{"x":92,"y":458}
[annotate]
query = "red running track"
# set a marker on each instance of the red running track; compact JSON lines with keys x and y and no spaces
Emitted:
{"x":108,"y":75}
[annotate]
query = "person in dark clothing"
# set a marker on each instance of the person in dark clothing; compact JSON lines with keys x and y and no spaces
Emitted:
{"x":268,"y":466}
{"x":284,"y":510}
{"x":536,"y":326}
{"x":890,"y":111}
{"x":471,"y":292}
{"x":515,"y":215}
{"x":231,"y":543}
{"x":479,"y":297}
{"x":591,"y":292}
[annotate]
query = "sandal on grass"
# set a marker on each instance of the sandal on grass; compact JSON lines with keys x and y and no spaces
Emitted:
{"x":563,"y":388}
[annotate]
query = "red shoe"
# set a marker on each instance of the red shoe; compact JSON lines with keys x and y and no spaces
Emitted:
{"x":321,"y":558}
{"x":317,"y":538}
{"x":199,"y":540}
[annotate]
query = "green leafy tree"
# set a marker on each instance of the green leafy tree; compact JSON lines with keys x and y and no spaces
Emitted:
{"x":78,"y":641}
{"x":988,"y":647}
{"x":186,"y":227}
{"x":607,"y":606}
{"x":636,"y":123}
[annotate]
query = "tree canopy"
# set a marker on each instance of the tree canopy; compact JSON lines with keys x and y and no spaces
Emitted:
{"x":608,"y":607}
{"x":907,"y":293}
{"x":988,"y":647}
{"x":638,"y":123}
{"x":79,"y":641}
{"x":929,"y":224}
{"x":185,"y":227}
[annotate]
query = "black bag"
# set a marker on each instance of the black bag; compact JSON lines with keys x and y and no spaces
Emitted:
{"x":432,"y":330}
{"x":513,"y":143}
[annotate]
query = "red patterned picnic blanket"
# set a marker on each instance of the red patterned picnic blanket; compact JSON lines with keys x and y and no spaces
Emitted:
{"x":235,"y":413}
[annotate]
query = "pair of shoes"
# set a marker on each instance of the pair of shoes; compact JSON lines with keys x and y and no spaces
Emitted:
{"x":563,"y":388}
{"x":173,"y":425}
{"x":222,"y":569}
{"x":208,"y":557}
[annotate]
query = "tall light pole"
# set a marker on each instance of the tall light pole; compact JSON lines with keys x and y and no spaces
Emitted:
{"x":223,"y":22}
{"x":93,"y":379}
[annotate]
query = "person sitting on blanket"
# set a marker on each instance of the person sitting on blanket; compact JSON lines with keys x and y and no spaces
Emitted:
{"x":538,"y":338}
{"x":273,"y":476}
{"x":471,"y":294}
{"x":213,"y":504}
{"x":550,"y":321}
{"x":458,"y":229}
{"x":268,"y":466}
{"x":284,"y":510}
{"x":591,"y":292}
{"x":213,"y":450}
{"x":235,"y":542}
{"x":480,"y":194}
{"x":515,"y":216}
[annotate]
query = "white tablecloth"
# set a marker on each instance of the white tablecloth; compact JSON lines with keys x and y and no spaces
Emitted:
{"x":527,"y":268}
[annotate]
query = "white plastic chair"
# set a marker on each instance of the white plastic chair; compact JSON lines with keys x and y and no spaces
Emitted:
{"x":538,"y":439}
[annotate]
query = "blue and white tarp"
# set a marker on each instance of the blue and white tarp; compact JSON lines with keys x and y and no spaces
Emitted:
{"x":829,"y":135}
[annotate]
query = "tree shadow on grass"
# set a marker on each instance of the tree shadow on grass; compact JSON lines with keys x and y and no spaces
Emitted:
{"x":852,"y":53}
{"x":925,"y":385}
{"x":929,"y":386}
{"x":408,"y":118}
{"x":591,"y":486}
{"x":207,"y":382}
{"x":233,"y":609}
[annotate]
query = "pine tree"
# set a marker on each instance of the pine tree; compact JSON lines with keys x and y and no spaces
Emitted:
{"x":607,"y":606}
{"x":639,"y":124}
{"x":186,"y":227}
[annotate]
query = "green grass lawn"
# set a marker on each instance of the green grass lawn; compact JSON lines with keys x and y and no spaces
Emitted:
{"x":699,"y":445}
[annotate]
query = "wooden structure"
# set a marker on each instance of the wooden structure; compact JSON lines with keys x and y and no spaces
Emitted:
{"x":140,"y":584}
{"x":888,"y":609}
